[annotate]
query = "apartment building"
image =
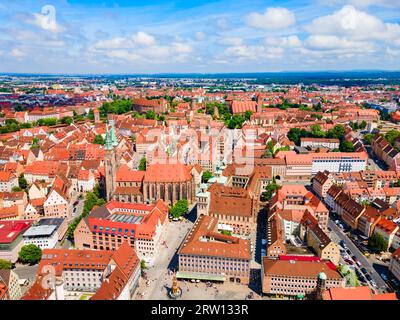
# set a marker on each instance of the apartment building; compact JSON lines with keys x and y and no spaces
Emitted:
{"x":316,"y":238}
{"x":57,"y":205}
{"x":207,"y":254}
{"x":11,"y":280}
{"x":321,"y":183}
{"x":141,"y":225}
{"x":11,"y":239}
{"x":319,"y":143}
{"x":111,"y":275}
{"x":297,"y":276}
{"x":394,"y":265}
{"x":8,"y":181}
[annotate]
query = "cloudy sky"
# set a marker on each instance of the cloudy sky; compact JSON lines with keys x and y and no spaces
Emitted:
{"x":157,"y":36}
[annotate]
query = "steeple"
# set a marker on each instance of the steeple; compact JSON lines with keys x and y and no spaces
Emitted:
{"x":114,"y":139}
{"x":108,"y":145}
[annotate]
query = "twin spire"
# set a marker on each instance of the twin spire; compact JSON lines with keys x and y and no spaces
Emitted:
{"x":111,"y":138}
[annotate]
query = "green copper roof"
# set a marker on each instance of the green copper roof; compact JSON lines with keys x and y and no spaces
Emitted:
{"x":108,"y":145}
{"x":113,"y":135}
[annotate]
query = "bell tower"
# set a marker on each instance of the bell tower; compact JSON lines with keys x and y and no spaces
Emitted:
{"x":110,"y":166}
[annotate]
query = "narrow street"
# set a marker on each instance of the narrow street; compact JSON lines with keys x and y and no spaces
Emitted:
{"x":356,"y":252}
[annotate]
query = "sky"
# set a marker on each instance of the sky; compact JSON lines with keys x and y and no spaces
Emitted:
{"x":198,"y":36}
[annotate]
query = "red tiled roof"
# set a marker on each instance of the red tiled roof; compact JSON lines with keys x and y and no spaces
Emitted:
{"x":10,"y":230}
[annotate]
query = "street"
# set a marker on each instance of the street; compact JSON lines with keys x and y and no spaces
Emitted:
{"x":356,"y":252}
{"x":157,"y":275}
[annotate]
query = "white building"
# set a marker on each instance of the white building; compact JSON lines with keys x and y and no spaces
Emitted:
{"x":335,"y":162}
{"x":44,"y":236}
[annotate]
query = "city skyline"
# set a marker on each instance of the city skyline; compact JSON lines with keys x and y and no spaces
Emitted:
{"x":202,"y":37}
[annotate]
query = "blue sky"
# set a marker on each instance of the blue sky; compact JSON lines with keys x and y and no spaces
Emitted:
{"x":139,"y":36}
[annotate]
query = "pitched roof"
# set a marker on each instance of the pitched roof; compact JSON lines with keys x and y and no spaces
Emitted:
{"x":205,"y":240}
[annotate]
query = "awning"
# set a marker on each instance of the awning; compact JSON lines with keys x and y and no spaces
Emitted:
{"x":199,"y":276}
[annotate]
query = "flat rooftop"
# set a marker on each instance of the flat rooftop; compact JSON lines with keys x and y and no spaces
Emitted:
{"x":37,"y":231}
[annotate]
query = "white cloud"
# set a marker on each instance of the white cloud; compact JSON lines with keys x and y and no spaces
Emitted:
{"x":17,"y":53}
{"x":142,"y":47}
{"x":330,"y":42}
{"x":222,"y":23}
{"x":289,"y":42}
{"x":383,"y":3}
{"x":355,"y":24}
{"x":47,"y":20}
{"x":272,"y":18}
{"x":231,"y":41}
{"x":142,"y":38}
{"x":200,"y":36}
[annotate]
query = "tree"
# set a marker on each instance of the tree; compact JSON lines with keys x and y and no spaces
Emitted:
{"x":248,"y":114}
{"x":143,"y":265}
{"x":143,"y":164}
{"x":294,"y":135}
{"x":92,"y":199}
{"x":5,"y":264}
{"x":98,"y":139}
{"x":67,"y":120}
{"x":337,"y":132}
{"x":392,"y":135}
{"x":270,"y":189}
{"x":150,"y":115}
{"x":90,"y":114}
{"x":346,"y":146}
{"x":16,"y":189}
{"x":226,"y":232}
{"x":207,"y":175}
{"x":179,"y":209}
{"x":316,"y":131}
{"x":368,"y":138}
{"x":23,"y":184}
{"x":377,"y":243}
{"x":30,"y":254}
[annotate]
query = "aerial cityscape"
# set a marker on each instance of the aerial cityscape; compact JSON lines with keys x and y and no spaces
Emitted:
{"x":194,"y":150}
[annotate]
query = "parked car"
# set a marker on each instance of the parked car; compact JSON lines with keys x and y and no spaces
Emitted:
{"x":363,"y":270}
{"x":368,"y":277}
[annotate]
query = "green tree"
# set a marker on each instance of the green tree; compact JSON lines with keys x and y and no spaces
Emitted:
{"x":346,"y":146}
{"x":150,"y":115}
{"x":67,"y":120}
{"x":316,"y":131}
{"x":207,"y":175}
{"x":270,"y":189}
{"x":337,"y":132}
{"x":377,"y":243}
{"x":143,"y":164}
{"x":368,"y":137}
{"x":90,"y":114}
{"x":392,"y":135}
{"x":294,"y":135}
{"x":16,"y":189}
{"x":92,"y":199}
{"x":143,"y":265}
{"x":98,"y":139}
{"x":5,"y":264}
{"x":30,"y":254}
{"x":180,"y":208}
{"x":248,"y":114}
{"x":23,"y":184}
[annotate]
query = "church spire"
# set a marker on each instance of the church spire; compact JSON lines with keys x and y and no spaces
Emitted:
{"x":108,"y":145}
{"x":113,"y":136}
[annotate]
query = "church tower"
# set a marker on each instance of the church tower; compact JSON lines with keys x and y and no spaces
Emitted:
{"x":110,"y":166}
{"x":96,"y":114}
